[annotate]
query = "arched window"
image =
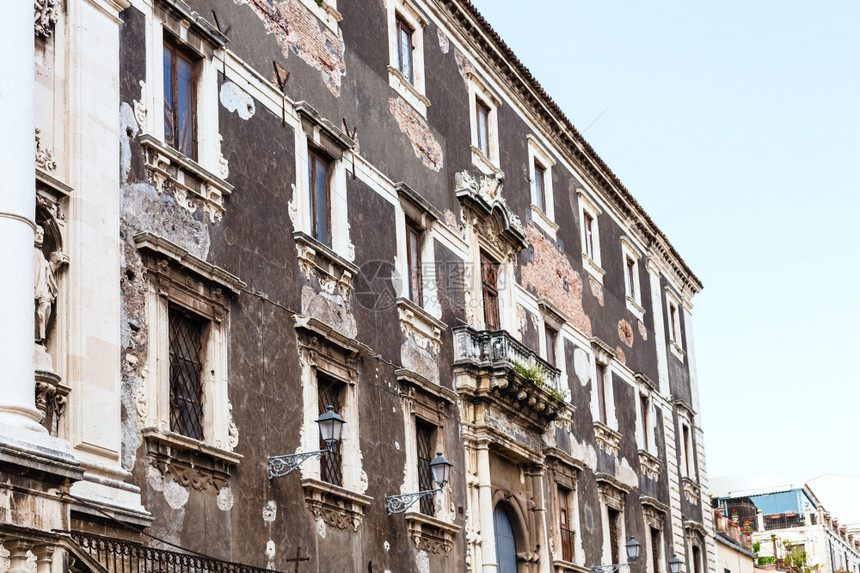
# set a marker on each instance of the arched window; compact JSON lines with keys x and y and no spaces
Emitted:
{"x":506,"y":546}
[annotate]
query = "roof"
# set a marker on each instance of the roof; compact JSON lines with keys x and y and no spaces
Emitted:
{"x":580,"y":148}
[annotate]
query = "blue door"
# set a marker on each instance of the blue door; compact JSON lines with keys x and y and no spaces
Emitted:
{"x":506,"y":546}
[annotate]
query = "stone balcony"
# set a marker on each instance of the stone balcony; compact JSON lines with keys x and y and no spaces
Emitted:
{"x":513,"y":374}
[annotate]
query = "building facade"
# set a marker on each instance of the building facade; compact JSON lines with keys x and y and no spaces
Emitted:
{"x":246,"y":211}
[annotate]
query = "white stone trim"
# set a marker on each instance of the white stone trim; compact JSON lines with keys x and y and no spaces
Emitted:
{"x":543,"y":217}
{"x":479,"y":91}
{"x":590,"y":263}
{"x":633,"y":300}
{"x":415,"y":92}
{"x":327,"y":13}
{"x":674,"y":334}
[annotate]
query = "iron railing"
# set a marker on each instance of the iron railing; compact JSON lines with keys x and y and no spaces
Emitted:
{"x":566,"y":544}
{"x":498,"y":348}
{"x":121,"y":556}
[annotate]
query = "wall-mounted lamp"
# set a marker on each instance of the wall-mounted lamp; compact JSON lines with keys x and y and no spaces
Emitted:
{"x":675,"y":564}
{"x":441,"y":469}
{"x":330,"y":425}
{"x":632,"y":547}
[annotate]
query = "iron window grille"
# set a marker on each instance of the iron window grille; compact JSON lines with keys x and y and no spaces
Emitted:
{"x":186,"y":366}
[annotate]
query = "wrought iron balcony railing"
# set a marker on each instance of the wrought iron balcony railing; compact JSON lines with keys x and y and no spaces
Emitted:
{"x":121,"y":556}
{"x":497,"y":348}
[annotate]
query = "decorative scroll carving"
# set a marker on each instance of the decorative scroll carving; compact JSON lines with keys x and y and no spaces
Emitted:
{"x":335,"y":506}
{"x":649,"y":464}
{"x":431,"y":534}
{"x":484,"y":201}
{"x":232,"y":429}
{"x":140,"y":108}
{"x":45,"y":17}
{"x":691,"y":490}
{"x":44,"y":156}
{"x":607,"y":439}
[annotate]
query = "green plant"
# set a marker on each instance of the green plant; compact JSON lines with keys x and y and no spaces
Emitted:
{"x":756,"y":546}
{"x":320,"y":3}
{"x":766,"y":560}
{"x":533,"y":372}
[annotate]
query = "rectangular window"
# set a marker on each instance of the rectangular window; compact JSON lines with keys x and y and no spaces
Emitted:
{"x":482,"y":137}
{"x":697,"y":559}
{"x":673,"y":318}
{"x":404,"y":50}
{"x":588,"y":224}
{"x":551,"y":338}
{"x":540,"y":186}
{"x":424,"y":434}
{"x":330,"y":392}
{"x":614,"y":535}
{"x":685,"y":435}
{"x":645,"y":409}
{"x":489,"y":286}
{"x":630,"y":277}
{"x":186,"y":388}
{"x":564,"y":525}
{"x":656,"y":549}
{"x":600,"y":382}
{"x":179,"y":104}
{"x":413,"y":262}
{"x":320,"y":197}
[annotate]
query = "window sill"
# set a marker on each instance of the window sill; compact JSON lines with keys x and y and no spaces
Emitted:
{"x":691,"y":489}
{"x":677,"y":350}
{"x":193,"y":463}
{"x":193,"y":186}
{"x":607,"y":439}
{"x":634,"y":307}
{"x":650,"y":464}
{"x":484,"y":163}
{"x":562,"y":566}
{"x":319,"y":261}
{"x":431,"y":534}
{"x":409,"y":92}
{"x":414,"y":317}
{"x":592,"y":268}
{"x":543,"y":221}
{"x":337,"y":506}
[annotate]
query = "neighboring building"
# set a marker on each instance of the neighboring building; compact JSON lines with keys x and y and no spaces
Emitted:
{"x":246,"y":211}
{"x":787,"y":521}
{"x":734,"y":545}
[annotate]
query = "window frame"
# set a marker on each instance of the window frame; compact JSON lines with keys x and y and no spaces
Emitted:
{"x":414,"y":262}
{"x":404,"y":15}
{"x":490,"y":291}
{"x":589,"y":213}
{"x":480,"y":94}
{"x":180,"y":52}
{"x":315,"y":157}
{"x":542,"y":200}
{"x":673,"y":324}
{"x":632,"y":283}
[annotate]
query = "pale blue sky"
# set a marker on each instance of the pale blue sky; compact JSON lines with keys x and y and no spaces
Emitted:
{"x":735,"y":124}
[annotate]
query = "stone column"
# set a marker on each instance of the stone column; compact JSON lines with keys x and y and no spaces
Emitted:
{"x":485,"y":500}
{"x":17,"y":548}
{"x":17,"y":211}
{"x":541,"y":539}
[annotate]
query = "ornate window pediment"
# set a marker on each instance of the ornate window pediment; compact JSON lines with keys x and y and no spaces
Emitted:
{"x":488,"y":212}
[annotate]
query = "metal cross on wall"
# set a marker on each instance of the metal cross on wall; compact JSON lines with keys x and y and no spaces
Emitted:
{"x":298,"y":559}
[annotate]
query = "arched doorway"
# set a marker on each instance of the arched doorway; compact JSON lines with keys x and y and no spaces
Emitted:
{"x":506,"y":545}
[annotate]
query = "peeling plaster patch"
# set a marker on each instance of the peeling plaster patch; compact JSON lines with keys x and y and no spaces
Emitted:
{"x":154,"y":478}
{"x":464,"y":66}
{"x":128,"y":131}
{"x":583,"y":451}
{"x":175,"y":495}
{"x":622,"y":358}
{"x":444,"y":44}
{"x":452,"y":223}
{"x":270,"y":511}
{"x":425,"y":146}
{"x":396,"y":445}
{"x":548,"y":274}
{"x":596,"y":289}
{"x":234,"y":98}
{"x":225,"y":498}
{"x":329,"y":308}
{"x":419,"y":360}
{"x":298,"y":30}
{"x":321,"y":528}
{"x":625,"y":332}
{"x":270,"y":555}
{"x":521,"y":323}
{"x":386,"y":546}
{"x":581,"y":366}
{"x":422,"y":562}
{"x":643,"y":332}
{"x":626,"y":474}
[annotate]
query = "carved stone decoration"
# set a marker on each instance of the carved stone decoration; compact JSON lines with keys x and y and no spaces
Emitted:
{"x":44,"y":156}
{"x":336,"y":506}
{"x":607,"y":439}
{"x":50,"y":398}
{"x":649,"y":464}
{"x":196,"y":479}
{"x":49,"y":259}
{"x":485,"y":195}
{"x":232,"y":429}
{"x":431,"y":534}
{"x":45,"y":17}
{"x":140,"y":108}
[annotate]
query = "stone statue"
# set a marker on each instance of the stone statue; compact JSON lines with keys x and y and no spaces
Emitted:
{"x":45,"y":292}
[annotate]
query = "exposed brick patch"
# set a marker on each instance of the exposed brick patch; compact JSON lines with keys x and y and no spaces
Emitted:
{"x":625,"y":333}
{"x":425,"y":146}
{"x":621,"y":357}
{"x":596,"y":289}
{"x":444,"y":44}
{"x":549,"y":273}
{"x":643,"y":332}
{"x":298,"y":30}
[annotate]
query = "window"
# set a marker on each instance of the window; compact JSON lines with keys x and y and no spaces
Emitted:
{"x":320,"y":196}
{"x":632,"y":292}
{"x":331,"y":393}
{"x":179,"y":100}
{"x":590,"y":236}
{"x":614,"y":527}
{"x":551,"y":337}
{"x":539,"y":185}
{"x":185,"y":340}
{"x":186,"y":393}
{"x":484,"y":126}
{"x":406,"y":50}
{"x":656,"y":549}
{"x":686,"y":450}
{"x":425,"y":441}
{"x":565,"y":525}
{"x":630,"y":277}
{"x":600,"y":383}
{"x":414,"y":263}
{"x":506,"y":544}
{"x":645,"y":413}
{"x":697,"y":559}
{"x":490,"y":290}
{"x":543,"y":209}
{"x":673,"y":324}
